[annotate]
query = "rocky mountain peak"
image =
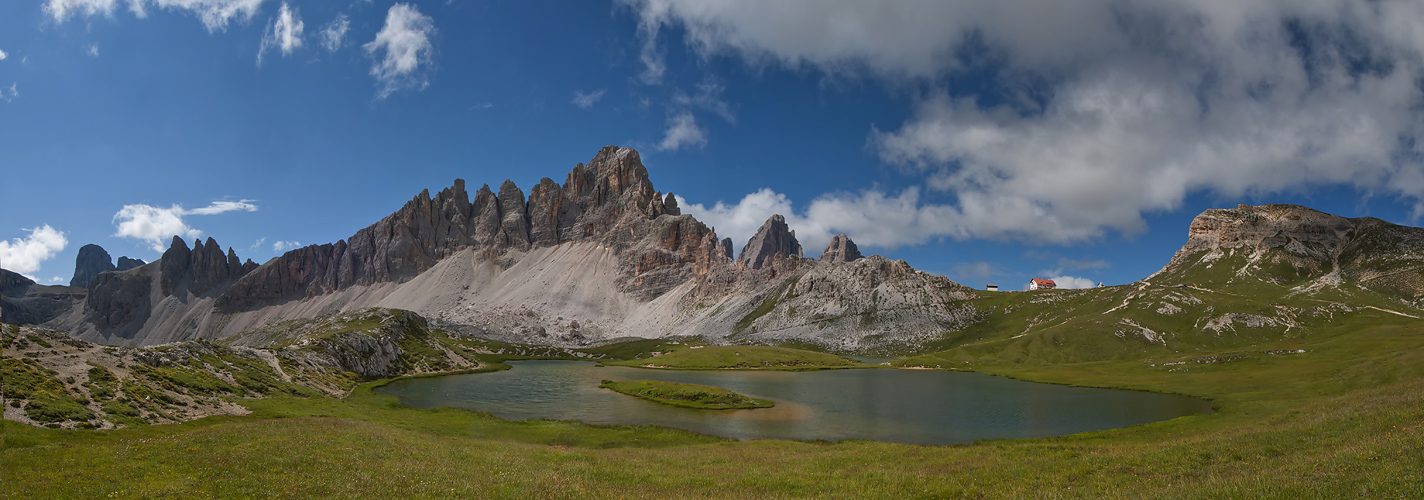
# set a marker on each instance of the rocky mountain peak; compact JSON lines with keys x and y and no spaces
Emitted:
{"x":13,"y":283}
{"x":201,"y":269}
{"x":609,"y":200}
{"x":1261,"y":228}
{"x":91,"y":261}
{"x":775,"y":240}
{"x":841,"y":249}
{"x":126,"y":263}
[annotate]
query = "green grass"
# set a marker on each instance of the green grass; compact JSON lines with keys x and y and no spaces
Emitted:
{"x":703,"y":397}
{"x":36,"y":390}
{"x":1344,"y":419}
{"x":743,"y":358}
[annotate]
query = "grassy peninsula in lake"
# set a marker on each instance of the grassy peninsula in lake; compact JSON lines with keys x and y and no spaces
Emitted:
{"x":704,"y":397}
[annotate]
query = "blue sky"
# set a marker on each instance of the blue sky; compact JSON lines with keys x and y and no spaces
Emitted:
{"x":989,"y":142}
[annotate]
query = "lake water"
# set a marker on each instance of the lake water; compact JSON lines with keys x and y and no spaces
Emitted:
{"x":907,"y":406}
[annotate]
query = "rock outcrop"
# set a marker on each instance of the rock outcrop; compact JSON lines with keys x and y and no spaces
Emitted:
{"x":610,"y":200}
{"x":197,"y":271}
{"x":841,"y":249}
{"x":774,"y":241}
{"x":13,"y":284}
{"x":119,"y":303}
{"x":91,"y":261}
{"x":1261,"y":228}
{"x":23,"y":302}
{"x":1297,"y":246}
{"x":126,"y":263}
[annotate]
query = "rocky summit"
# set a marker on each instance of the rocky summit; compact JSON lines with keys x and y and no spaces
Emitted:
{"x":1300,"y":247}
{"x":91,"y":261}
{"x":841,"y":249}
{"x":774,"y":241}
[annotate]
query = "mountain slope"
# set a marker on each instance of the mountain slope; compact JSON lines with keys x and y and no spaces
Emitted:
{"x":604,"y":255}
{"x":1256,"y":279}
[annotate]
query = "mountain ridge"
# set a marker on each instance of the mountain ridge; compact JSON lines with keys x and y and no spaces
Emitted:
{"x":605,"y":255}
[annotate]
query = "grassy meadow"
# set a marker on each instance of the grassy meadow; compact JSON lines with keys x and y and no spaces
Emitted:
{"x":1313,"y":410}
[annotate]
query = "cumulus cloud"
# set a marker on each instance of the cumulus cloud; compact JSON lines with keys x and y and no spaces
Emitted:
{"x":3,"y":55}
{"x":93,"y":50}
{"x":284,"y":33}
{"x":402,"y":50}
{"x":585,"y":101}
{"x":1071,"y":282}
{"x":333,"y":35}
{"x":872,"y":218}
{"x":683,"y":131}
{"x":214,"y":14}
{"x":24,"y":255}
{"x":282,"y":246}
{"x":740,"y":221}
{"x":1102,"y":110}
{"x":156,"y":226}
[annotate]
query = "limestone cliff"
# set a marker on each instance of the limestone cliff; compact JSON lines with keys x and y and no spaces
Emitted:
{"x":1296,"y":246}
{"x":91,"y":260}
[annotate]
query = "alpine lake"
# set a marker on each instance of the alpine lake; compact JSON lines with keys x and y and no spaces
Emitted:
{"x":931,"y":407}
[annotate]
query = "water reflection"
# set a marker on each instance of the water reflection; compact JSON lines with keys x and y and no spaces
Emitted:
{"x":910,"y":406}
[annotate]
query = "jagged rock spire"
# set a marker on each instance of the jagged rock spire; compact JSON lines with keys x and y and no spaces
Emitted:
{"x":841,"y":249}
{"x":773,"y":241}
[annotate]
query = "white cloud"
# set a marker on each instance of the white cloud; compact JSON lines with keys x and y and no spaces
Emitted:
{"x":258,"y":244}
{"x":741,"y":221}
{"x":333,"y":35}
{"x":3,"y":55}
{"x":1103,"y":109}
{"x":93,"y":50}
{"x":283,"y":33}
{"x":652,"y":16}
{"x":405,"y":40}
{"x":870,"y":218}
{"x":1070,"y":282}
{"x":214,"y":14}
{"x":282,"y":246}
{"x":218,"y":207}
{"x":585,"y":101}
{"x":682,"y":132}
{"x":11,"y":95}
{"x":709,"y":98}
{"x":55,"y":280}
{"x":24,"y":255}
{"x":152,"y":224}
{"x":157,"y":226}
